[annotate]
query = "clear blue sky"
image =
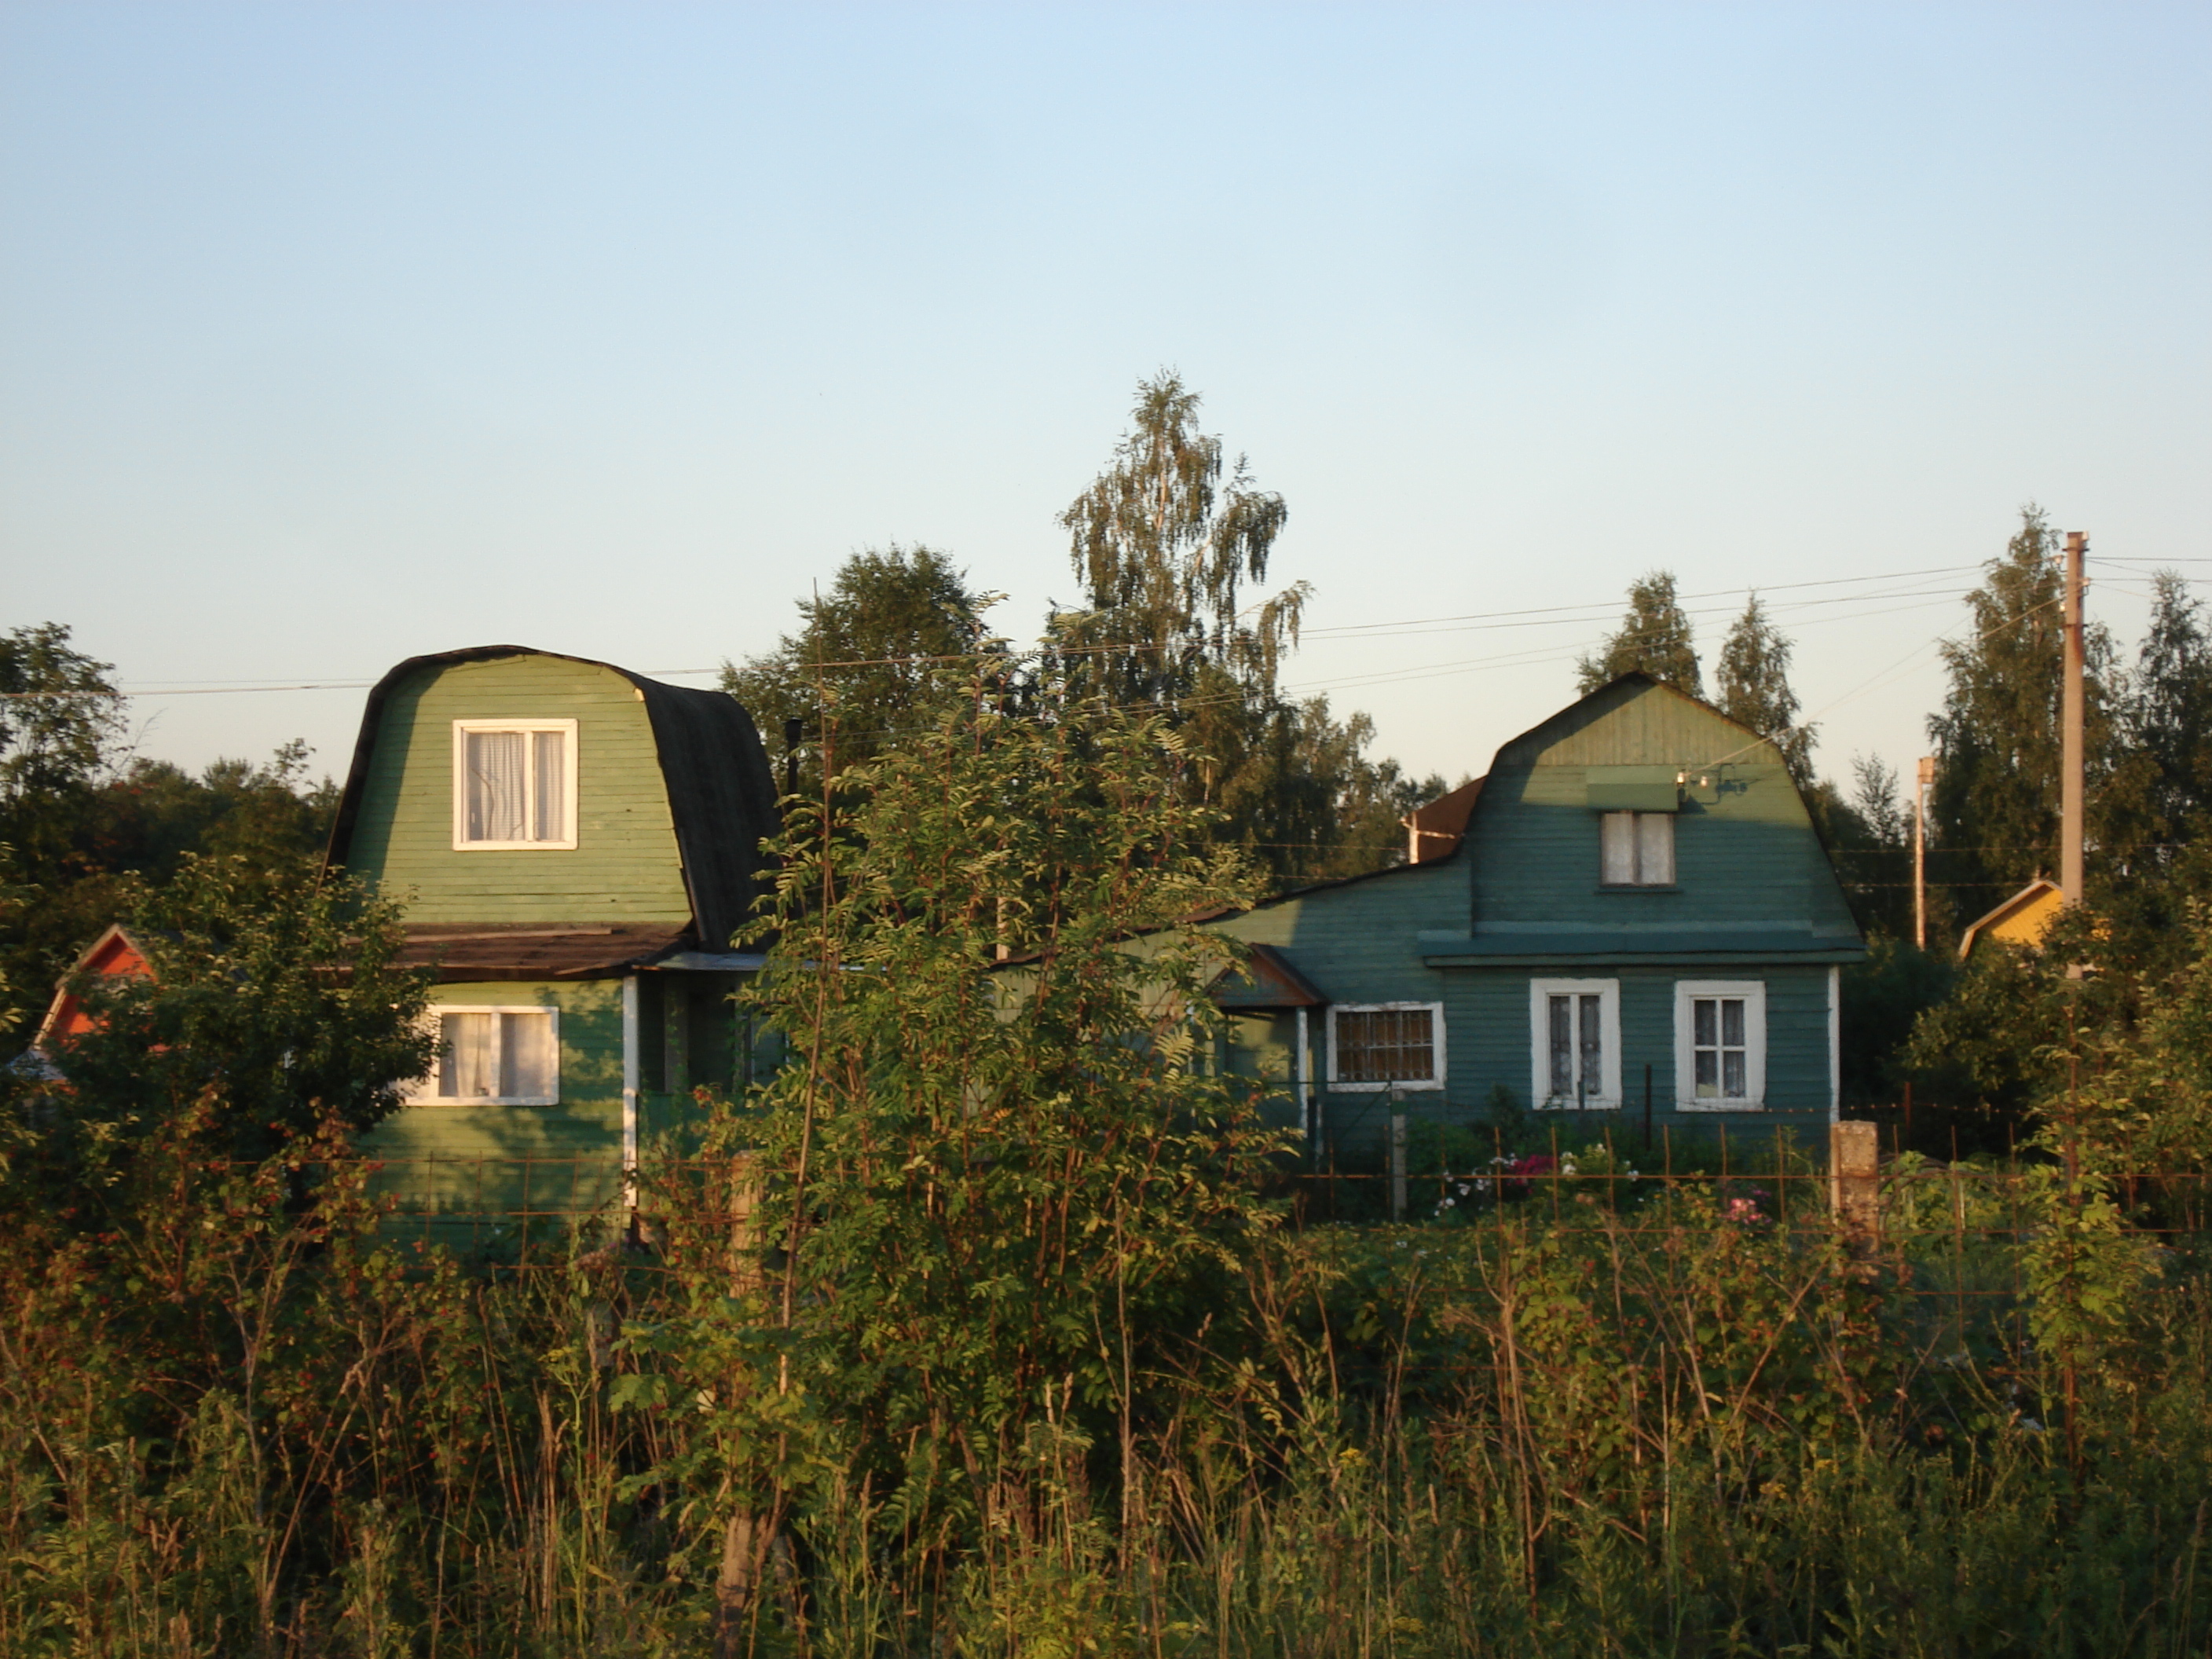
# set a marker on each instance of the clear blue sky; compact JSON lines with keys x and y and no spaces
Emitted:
{"x":331,"y":333}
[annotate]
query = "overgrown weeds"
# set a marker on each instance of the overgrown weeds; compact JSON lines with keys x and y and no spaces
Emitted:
{"x":1589,"y":1432}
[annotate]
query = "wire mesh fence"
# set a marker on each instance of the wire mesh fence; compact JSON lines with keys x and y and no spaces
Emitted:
{"x":1908,"y":1210}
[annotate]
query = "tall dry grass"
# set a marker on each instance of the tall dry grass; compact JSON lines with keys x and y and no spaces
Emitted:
{"x":1575,"y":1422}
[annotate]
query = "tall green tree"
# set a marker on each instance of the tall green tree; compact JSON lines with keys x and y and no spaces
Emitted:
{"x":1163,"y":541}
{"x":2165,"y":716}
{"x":1655,"y":637}
{"x":1166,"y":541}
{"x":274,"y":1010}
{"x":894,"y":636}
{"x":59,"y":714}
{"x":1007,"y":1164}
{"x":1753,"y":673}
{"x":1994,"y":807}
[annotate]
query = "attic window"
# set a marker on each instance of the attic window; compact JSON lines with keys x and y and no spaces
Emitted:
{"x":1636,"y":849}
{"x":514,"y":784}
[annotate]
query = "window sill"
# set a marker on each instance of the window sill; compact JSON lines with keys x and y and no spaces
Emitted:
{"x":1595,"y":1105}
{"x":1636,"y":887}
{"x":514,"y":847}
{"x":1432,"y":1086}
{"x":1720,"y":1105}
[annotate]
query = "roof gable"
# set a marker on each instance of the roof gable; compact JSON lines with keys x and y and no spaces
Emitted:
{"x":115,"y":952}
{"x":1639,"y":721}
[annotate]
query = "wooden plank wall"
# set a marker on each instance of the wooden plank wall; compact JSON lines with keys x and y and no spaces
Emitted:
{"x":624,"y":867}
{"x":496,"y":1159}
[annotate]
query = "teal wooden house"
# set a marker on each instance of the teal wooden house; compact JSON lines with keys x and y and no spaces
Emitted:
{"x":575,"y":847}
{"x":1630,"y":912}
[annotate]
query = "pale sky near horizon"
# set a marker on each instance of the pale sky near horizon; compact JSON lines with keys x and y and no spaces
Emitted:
{"x":334,"y":333}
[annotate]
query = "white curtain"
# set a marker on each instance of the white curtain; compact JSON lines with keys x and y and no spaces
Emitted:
{"x":528,"y":1064}
{"x":497,"y":762}
{"x":548,"y":786}
{"x":467,"y":1069}
{"x":1655,"y":848}
{"x":1616,"y":837}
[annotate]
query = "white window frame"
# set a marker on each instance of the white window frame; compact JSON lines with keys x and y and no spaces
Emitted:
{"x":1753,"y":993}
{"x":424,"y":1092}
{"x":1636,"y":841}
{"x":1410,"y":1085}
{"x":1607,"y":991}
{"x":566,"y":841}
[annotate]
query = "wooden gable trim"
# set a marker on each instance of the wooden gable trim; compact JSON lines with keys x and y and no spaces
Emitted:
{"x":1266,"y":979}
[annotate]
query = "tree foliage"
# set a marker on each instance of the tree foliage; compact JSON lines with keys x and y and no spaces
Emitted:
{"x":275,"y":1011}
{"x":1655,"y":637}
{"x":1002,"y":1153}
{"x":86,"y":847}
{"x":1753,"y":673}
{"x":1994,"y":805}
{"x":2166,"y":716}
{"x":1163,"y":541}
{"x":59,"y":714}
{"x":879,"y":652}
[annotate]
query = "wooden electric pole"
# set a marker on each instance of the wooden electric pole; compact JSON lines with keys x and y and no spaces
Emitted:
{"x":1920,"y":854}
{"x":2069,"y":754}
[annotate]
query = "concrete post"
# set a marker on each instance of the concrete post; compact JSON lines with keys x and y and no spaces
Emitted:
{"x":1855,"y":1180}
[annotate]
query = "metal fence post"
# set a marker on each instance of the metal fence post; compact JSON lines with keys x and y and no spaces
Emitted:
{"x":1397,"y":1155}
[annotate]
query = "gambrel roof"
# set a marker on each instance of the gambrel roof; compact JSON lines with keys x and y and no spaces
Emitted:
{"x":722,"y":792}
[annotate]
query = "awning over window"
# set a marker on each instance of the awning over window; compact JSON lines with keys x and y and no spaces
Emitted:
{"x":1632,"y":788}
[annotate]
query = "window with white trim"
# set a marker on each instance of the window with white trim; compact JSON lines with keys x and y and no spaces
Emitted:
{"x":1636,"y":849}
{"x":494,"y":1057}
{"x":1386,"y":1045}
{"x":1575,"y":1044}
{"x":1720,"y":1045}
{"x":514,"y":785}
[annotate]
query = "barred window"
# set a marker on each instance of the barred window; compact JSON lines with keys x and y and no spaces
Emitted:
{"x":1387,"y":1045}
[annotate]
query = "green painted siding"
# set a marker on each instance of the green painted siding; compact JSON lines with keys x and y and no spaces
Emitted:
{"x":1522,"y":902}
{"x":624,"y":867}
{"x":503,"y":1160}
{"x":1745,"y":850}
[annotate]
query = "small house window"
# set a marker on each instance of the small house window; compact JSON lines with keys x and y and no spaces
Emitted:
{"x":1720,"y":1045}
{"x":494,"y":1057}
{"x":1636,"y":849}
{"x":1575,"y":1043}
{"x":514,"y":784}
{"x":1387,"y":1045}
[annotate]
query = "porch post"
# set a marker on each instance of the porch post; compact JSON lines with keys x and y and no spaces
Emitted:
{"x":632,"y":1060}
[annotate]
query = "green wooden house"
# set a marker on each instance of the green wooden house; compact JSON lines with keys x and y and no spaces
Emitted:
{"x":1631,"y":913}
{"x":575,"y":847}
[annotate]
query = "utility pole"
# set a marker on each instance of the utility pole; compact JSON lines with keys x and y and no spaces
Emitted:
{"x":1920,"y":854}
{"x":2069,"y":758}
